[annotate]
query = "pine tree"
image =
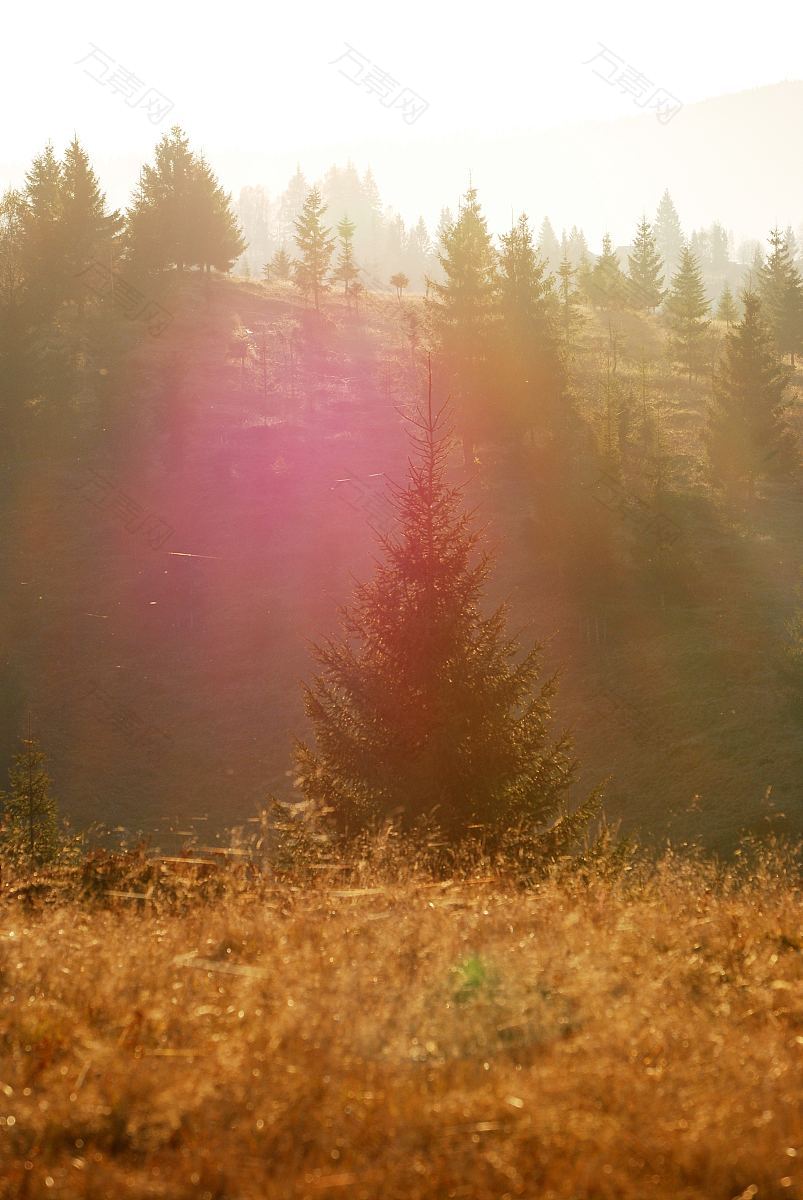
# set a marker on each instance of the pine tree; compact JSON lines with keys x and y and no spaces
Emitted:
{"x":157,"y":233}
{"x":727,"y":310}
{"x":781,"y":292}
{"x":346,"y":269}
{"x":578,"y":248}
{"x":687,"y":310}
{"x":718,"y":249}
{"x":570,"y":314}
{"x":425,"y":711}
{"x":180,"y":216}
{"x":464,"y":312}
{"x":12,"y":269}
{"x":43,"y":246}
{"x":549,"y":246}
{"x":668,"y":235}
{"x":645,"y":278}
{"x":344,"y":193}
{"x":29,"y":829}
{"x":218,"y":239}
{"x":315,"y":246}
{"x":747,"y":435}
{"x":89,"y":229}
{"x":607,"y":287}
{"x":530,"y":366}
{"x":280,"y":266}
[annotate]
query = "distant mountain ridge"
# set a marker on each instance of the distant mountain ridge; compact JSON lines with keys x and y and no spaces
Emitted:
{"x":730,"y":158}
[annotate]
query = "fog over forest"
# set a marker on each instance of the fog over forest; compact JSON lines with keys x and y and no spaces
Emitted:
{"x":401,"y":603}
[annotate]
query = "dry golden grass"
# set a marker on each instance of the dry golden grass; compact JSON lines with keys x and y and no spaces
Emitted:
{"x":639,"y":1037}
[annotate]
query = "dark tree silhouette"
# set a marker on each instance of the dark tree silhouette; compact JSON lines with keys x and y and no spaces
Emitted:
{"x":426,"y":709}
{"x":747,"y":435}
{"x":645,"y":270}
{"x":181,"y":217}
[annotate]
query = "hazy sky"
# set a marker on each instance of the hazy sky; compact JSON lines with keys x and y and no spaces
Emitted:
{"x":261,"y":75}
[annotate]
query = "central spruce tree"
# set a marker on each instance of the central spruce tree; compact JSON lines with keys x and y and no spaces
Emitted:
{"x":645,"y":278}
{"x":315,"y":246}
{"x":426,"y":709}
{"x":687,"y":311}
{"x":605,"y":284}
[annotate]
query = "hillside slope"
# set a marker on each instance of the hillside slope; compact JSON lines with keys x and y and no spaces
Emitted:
{"x":163,"y":679}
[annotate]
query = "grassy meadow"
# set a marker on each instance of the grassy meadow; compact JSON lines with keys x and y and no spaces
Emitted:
{"x":188,"y":1031}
